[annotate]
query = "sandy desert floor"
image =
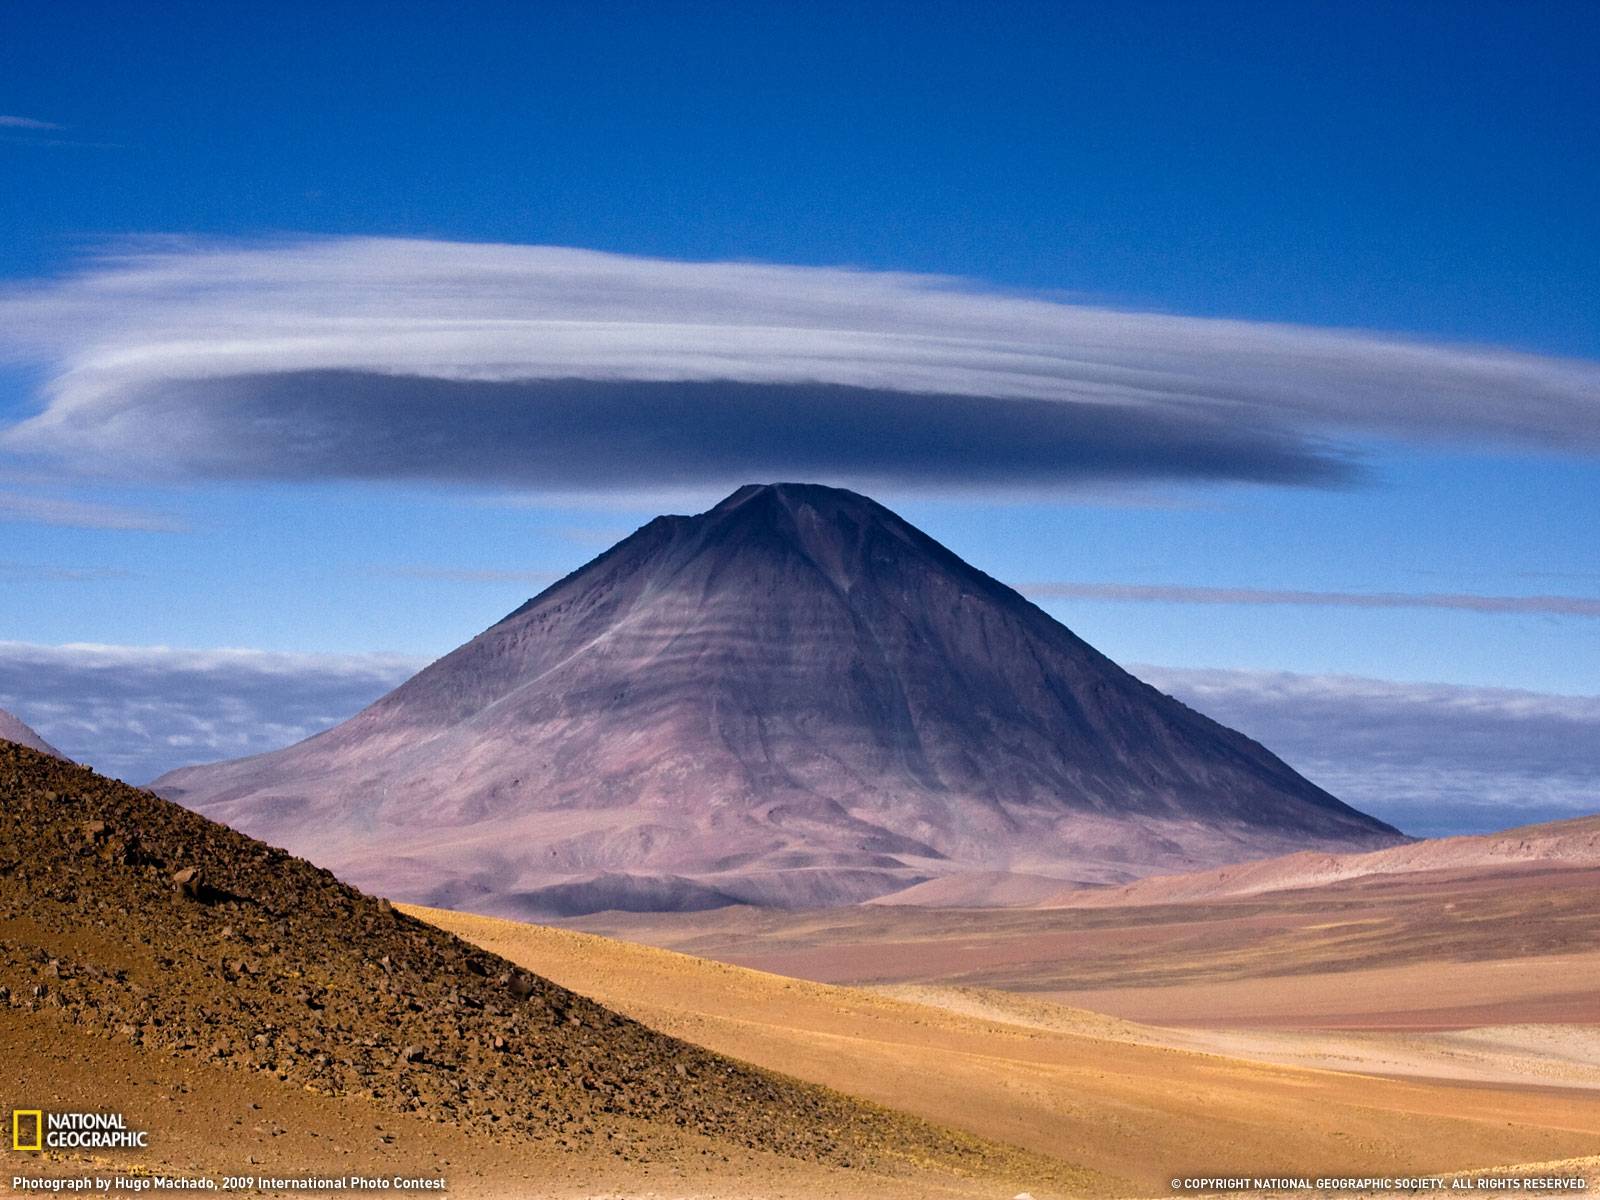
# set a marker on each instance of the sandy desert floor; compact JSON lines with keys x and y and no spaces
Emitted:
{"x":1531,"y":1054}
{"x":1428,"y":951}
{"x":1136,"y":1104}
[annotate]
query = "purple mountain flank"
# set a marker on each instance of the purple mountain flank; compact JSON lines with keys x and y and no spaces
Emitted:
{"x":794,"y":699}
{"x":13,"y":730}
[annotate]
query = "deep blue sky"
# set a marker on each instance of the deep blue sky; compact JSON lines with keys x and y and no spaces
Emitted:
{"x":1427,"y":168}
{"x":1424,"y":166}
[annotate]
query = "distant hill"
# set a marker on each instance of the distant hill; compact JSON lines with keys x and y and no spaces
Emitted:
{"x":13,"y":730}
{"x":793,"y":699}
{"x":1573,"y":843}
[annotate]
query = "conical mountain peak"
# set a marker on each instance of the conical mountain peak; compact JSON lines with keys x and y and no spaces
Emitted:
{"x":793,"y":698}
{"x":774,"y":502}
{"x":851,"y":539}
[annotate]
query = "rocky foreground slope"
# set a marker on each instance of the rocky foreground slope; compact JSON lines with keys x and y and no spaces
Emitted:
{"x":130,"y":918}
{"x":794,"y":699}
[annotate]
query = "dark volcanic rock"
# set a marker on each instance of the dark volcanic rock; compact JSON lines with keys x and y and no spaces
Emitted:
{"x":795,"y":698}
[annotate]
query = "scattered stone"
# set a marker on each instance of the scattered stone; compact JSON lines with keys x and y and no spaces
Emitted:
{"x":188,"y":883}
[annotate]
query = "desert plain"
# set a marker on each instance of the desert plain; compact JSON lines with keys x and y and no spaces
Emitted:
{"x":263,"y":1020}
{"x":1429,"y":1023}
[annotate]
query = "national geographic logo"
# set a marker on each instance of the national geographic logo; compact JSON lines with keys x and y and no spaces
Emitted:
{"x":35,"y":1129}
{"x":27,"y":1129}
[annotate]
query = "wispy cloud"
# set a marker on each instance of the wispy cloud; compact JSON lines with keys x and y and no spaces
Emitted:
{"x":1565,"y":606}
{"x":473,"y":575}
{"x":16,"y":572}
{"x":18,"y":508}
{"x":15,"y":122}
{"x":591,"y":535}
{"x":1431,"y":758}
{"x":552,"y":369}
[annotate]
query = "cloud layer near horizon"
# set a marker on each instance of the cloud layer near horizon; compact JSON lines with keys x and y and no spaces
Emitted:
{"x":559,"y":369}
{"x":135,"y":712}
{"x":1432,"y":758}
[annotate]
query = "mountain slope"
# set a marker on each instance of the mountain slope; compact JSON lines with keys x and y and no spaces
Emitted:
{"x":128,"y":918}
{"x":793,"y":699}
{"x":13,"y":730}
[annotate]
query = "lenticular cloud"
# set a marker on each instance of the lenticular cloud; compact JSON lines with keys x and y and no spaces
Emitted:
{"x":559,"y":368}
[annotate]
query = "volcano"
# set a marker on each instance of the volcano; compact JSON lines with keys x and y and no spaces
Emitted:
{"x":793,"y":699}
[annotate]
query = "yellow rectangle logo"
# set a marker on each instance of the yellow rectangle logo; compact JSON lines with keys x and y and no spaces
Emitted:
{"x":36,"y":1141}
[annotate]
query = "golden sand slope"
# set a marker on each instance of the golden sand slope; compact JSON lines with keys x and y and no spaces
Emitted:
{"x":1093,"y":1091}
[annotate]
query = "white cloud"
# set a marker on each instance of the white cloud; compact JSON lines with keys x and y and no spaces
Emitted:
{"x":137,"y":711}
{"x":14,"y":122}
{"x":542,"y":367}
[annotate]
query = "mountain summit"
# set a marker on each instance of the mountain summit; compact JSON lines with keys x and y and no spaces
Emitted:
{"x":795,"y":698}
